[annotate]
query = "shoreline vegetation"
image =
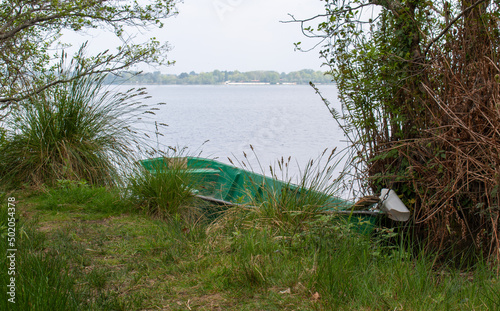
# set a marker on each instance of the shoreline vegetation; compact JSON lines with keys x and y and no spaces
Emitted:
{"x":91,"y":229}
{"x":84,"y":226}
{"x":88,"y":248}
{"x":137,"y":240}
{"x":218,"y":77}
{"x":88,"y":237}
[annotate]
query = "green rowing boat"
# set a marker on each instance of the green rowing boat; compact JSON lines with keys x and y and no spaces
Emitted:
{"x":229,"y":185}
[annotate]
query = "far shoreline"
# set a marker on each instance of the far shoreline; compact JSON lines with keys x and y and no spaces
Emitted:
{"x":219,"y":84}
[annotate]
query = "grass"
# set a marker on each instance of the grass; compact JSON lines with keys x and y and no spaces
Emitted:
{"x":289,"y":206}
{"x":166,"y":191}
{"x":85,"y":248}
{"x":72,"y":131}
{"x":40,"y":277}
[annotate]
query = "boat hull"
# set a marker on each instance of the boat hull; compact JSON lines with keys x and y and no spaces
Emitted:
{"x":228,"y":185}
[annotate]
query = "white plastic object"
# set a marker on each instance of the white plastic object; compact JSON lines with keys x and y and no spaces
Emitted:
{"x":392,"y":205}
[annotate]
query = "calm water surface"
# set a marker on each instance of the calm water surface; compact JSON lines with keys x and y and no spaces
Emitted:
{"x":224,"y":120}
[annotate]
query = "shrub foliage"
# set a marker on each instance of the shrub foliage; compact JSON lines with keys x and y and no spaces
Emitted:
{"x":419,"y":83}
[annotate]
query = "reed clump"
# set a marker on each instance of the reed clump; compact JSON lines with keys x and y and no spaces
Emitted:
{"x":165,"y":190}
{"x":72,"y":131}
{"x":288,"y":203}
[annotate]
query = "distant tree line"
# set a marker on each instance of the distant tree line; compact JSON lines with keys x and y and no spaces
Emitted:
{"x":220,"y":77}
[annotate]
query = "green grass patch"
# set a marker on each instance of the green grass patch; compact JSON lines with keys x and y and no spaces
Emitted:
{"x":86,"y":255}
{"x":82,"y":197}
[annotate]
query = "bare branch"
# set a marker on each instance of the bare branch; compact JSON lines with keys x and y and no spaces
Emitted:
{"x":294,"y":20}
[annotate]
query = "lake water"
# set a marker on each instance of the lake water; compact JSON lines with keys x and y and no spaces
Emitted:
{"x":222,"y":121}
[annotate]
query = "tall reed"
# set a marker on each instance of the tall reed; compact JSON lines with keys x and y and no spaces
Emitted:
{"x":289,"y":204}
{"x":73,"y":131}
{"x":165,"y":190}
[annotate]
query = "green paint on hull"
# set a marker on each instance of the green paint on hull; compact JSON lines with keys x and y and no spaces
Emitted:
{"x":227,"y":183}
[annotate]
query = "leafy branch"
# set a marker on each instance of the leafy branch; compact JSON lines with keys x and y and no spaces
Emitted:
{"x":29,"y":28}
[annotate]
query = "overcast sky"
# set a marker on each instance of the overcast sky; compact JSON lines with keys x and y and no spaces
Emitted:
{"x":239,"y":35}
